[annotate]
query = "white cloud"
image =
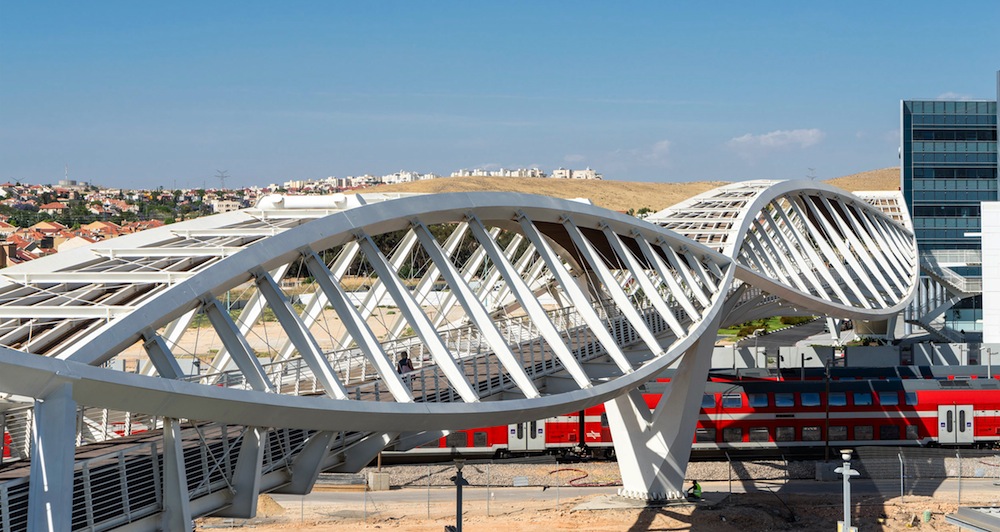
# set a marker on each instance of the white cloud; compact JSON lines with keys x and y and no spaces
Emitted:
{"x":953,"y":96}
{"x":659,"y":151}
{"x":656,"y":155}
{"x":802,"y":138}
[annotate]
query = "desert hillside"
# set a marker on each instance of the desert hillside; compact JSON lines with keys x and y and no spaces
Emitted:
{"x":881,"y":179}
{"x":619,"y":195}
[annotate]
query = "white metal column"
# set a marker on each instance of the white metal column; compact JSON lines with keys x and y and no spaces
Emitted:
{"x":653,"y":447}
{"x":50,"y":495}
{"x":176,"y":501}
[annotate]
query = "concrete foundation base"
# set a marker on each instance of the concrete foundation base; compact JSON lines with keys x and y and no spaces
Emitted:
{"x":378,"y":481}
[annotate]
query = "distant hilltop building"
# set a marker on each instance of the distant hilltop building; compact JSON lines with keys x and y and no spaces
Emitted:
{"x":406,"y":177}
{"x":564,"y":173}
{"x":560,"y":173}
{"x":334,"y":183}
{"x":503,"y":172}
{"x":225,"y":205}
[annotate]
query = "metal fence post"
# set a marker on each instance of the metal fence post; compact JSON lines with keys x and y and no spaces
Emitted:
{"x":901,"y":476}
{"x":729,"y":464}
{"x":557,"y":488}
{"x":958,"y":455}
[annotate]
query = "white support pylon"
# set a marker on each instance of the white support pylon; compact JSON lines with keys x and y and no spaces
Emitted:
{"x":246,"y":475}
{"x":176,"y":500}
{"x":50,"y":495}
{"x":653,"y":446}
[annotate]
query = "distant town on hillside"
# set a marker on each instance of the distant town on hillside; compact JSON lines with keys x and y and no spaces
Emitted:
{"x":39,"y":220}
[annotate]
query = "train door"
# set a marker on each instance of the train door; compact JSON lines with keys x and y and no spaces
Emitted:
{"x":526,"y":437}
{"x":955,"y":424}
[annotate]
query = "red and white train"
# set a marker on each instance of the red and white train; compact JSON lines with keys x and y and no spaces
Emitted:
{"x":747,"y":411}
{"x":905,"y":406}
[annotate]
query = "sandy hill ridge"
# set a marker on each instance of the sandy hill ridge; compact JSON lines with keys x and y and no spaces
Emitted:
{"x":882,"y":179}
{"x":618,"y":195}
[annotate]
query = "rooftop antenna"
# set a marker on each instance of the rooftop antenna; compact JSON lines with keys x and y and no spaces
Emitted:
{"x":222,"y":175}
{"x":67,"y":173}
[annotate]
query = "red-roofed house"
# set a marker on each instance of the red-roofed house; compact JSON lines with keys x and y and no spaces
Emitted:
{"x":48,"y":228}
{"x":53,"y":208}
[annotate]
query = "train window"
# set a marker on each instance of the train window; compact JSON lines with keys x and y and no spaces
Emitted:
{"x":864,"y":432}
{"x":759,"y":434}
{"x":732,"y":400}
{"x":784,"y":400}
{"x":888,"y":432}
{"x":758,"y":400}
{"x":837,"y":399}
{"x":784,"y":434}
{"x":838,"y":432}
{"x":911,"y":398}
{"x":809,"y":398}
{"x":912,"y":432}
{"x":604,"y":420}
{"x":708,"y":400}
{"x":457,"y":439}
{"x":862,"y":399}
{"x":704,"y":435}
{"x":888,"y":399}
{"x":811,"y":434}
{"x":732,"y":434}
{"x":479,"y":439}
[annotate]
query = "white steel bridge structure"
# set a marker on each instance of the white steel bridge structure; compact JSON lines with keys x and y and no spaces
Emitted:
{"x":182,"y":371}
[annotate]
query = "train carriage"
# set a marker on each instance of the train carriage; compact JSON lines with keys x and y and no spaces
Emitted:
{"x":787,"y":414}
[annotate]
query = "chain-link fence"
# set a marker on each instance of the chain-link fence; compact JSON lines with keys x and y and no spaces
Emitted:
{"x":428,"y":492}
{"x":919,"y":471}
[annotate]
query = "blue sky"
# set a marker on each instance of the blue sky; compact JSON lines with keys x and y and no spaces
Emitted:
{"x":165,"y":94}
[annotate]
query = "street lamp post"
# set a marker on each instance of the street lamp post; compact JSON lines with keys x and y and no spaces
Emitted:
{"x":848,"y":473}
{"x":802,"y":364}
{"x":459,"y":482}
{"x":826,"y":428}
{"x":756,"y":335}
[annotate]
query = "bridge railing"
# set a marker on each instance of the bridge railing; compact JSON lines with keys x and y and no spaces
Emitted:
{"x":427,"y":382}
{"x":125,"y":485}
{"x":93,"y":425}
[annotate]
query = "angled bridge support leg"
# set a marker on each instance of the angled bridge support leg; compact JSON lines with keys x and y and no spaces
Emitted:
{"x":53,"y":452}
{"x":653,"y":446}
{"x":246,"y":476}
{"x":176,"y":500}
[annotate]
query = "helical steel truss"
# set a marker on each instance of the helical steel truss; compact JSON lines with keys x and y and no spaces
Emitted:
{"x":511,"y":307}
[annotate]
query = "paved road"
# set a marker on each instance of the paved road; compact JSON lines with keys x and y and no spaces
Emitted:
{"x":785,"y":338}
{"x":945,"y":490}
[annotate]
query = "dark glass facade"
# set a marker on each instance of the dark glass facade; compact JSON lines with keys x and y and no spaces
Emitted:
{"x":949,"y":166}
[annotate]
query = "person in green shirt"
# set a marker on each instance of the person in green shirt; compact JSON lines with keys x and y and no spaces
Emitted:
{"x":694,"y":492}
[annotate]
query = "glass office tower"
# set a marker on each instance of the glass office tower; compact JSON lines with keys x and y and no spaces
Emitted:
{"x":948,"y":167}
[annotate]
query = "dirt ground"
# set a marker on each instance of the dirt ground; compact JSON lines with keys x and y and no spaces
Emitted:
{"x":737,"y":512}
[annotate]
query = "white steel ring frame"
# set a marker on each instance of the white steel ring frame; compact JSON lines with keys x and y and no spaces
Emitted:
{"x":171,"y":398}
{"x":807,"y":244}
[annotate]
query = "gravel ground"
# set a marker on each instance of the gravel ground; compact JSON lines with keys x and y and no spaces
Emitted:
{"x":581,"y":474}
